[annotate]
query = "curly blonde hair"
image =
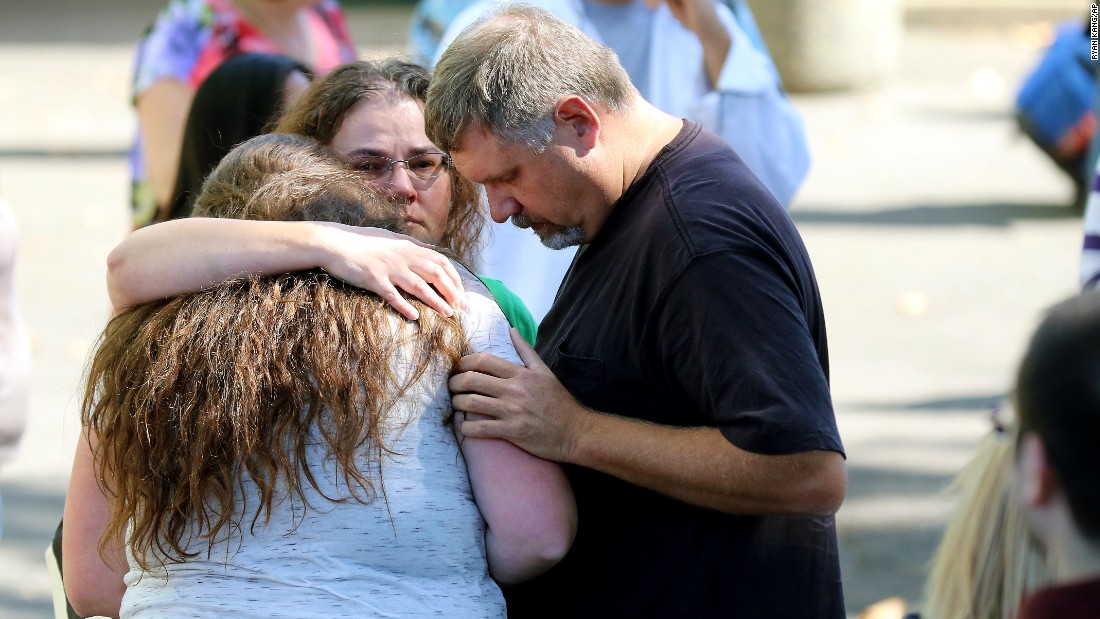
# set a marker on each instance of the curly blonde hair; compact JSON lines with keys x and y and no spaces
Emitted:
{"x":987,"y":561}
{"x":191,"y":396}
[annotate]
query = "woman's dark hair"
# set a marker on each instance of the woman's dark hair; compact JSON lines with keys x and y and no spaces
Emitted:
{"x":240,"y":99}
{"x":1058,"y":398}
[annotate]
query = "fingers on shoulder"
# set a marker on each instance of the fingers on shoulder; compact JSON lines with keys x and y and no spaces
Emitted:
{"x":398,"y":302}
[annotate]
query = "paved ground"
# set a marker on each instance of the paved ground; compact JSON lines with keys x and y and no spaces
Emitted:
{"x":938,"y":236}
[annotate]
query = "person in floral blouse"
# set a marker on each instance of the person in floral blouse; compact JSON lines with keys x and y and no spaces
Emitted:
{"x":188,"y":40}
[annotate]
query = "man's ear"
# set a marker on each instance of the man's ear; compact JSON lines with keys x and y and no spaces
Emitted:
{"x":578,"y":120}
{"x":1038,"y":480}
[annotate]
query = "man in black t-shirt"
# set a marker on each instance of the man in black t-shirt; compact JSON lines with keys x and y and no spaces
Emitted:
{"x":683,"y":378}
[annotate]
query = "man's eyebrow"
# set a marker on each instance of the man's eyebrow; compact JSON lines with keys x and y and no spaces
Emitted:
{"x":501,"y":177}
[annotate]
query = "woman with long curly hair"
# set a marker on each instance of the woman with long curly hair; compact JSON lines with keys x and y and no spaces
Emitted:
{"x":372,"y":114}
{"x":285,"y":446}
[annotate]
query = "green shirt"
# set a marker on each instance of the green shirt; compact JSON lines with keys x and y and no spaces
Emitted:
{"x":514,"y":310}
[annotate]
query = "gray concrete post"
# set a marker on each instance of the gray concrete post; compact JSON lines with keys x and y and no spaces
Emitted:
{"x":831,"y":44}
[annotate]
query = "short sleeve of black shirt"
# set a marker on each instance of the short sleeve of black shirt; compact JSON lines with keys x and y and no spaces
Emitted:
{"x":732,"y":338}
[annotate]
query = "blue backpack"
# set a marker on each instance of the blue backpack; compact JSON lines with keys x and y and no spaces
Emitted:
{"x":1055,"y":104}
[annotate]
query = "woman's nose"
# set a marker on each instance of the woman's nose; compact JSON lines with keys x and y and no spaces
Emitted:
{"x":400,"y":183}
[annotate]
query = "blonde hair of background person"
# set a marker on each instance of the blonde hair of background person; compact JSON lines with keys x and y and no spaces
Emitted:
{"x":276,"y":351}
{"x":986,"y":561}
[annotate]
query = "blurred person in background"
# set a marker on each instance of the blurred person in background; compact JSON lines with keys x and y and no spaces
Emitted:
{"x":1056,"y":105}
{"x":285,"y":445}
{"x":987,"y":560}
{"x":188,"y":40}
{"x":1057,"y":460}
{"x":15,"y":355}
{"x":371,"y":113}
{"x":1089,"y":269}
{"x":432,"y":17}
{"x":239,"y":100}
{"x":429,"y":22}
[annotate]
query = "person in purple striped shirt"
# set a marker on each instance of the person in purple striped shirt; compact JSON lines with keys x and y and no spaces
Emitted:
{"x":1090,"y":251}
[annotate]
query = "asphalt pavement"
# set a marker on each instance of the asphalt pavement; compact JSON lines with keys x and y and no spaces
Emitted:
{"x":938,"y":235}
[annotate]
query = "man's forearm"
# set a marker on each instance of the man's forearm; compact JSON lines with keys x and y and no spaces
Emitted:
{"x":528,"y":406}
{"x":699,"y":466}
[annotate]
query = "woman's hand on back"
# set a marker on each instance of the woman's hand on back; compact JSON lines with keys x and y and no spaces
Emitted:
{"x":390,"y":262}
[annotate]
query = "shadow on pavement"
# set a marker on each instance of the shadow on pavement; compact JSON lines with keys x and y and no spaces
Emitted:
{"x":954,"y":114}
{"x":868,"y":482}
{"x":899,"y":557}
{"x":953,"y":404}
{"x":899,"y":551}
{"x":37,"y":22}
{"x":374,"y":24}
{"x":996,"y":214}
{"x":31,"y":514}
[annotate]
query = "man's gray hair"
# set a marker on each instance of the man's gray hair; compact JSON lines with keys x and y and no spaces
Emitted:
{"x":505,"y":73}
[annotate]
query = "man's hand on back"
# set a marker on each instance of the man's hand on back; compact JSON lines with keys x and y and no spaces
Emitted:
{"x":528,"y":405}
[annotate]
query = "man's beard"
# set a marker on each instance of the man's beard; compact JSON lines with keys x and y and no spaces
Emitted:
{"x":551,"y":235}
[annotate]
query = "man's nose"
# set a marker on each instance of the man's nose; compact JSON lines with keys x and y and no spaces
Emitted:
{"x":501,"y":207}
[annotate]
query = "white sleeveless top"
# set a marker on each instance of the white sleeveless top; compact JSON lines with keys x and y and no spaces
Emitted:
{"x":417,"y":551}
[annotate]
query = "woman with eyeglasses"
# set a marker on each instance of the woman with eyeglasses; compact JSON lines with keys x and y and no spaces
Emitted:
{"x":371,"y":113}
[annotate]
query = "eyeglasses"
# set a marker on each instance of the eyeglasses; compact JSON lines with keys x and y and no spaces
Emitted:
{"x":425,"y":166}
